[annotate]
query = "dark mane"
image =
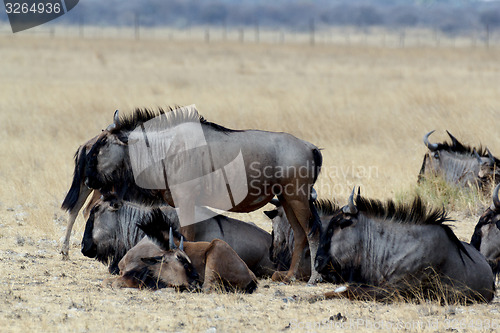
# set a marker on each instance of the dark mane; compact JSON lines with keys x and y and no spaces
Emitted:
{"x":156,"y":226}
{"x":326,"y":207}
{"x":457,"y":147}
{"x":415,"y":213}
{"x":130,"y":121}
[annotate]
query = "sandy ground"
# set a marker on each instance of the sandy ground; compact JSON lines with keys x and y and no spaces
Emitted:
{"x":41,"y":293}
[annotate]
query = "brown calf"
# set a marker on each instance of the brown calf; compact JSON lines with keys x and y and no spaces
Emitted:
{"x":215,"y":265}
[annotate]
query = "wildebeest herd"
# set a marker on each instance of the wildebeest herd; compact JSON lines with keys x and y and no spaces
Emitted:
{"x":380,"y":250}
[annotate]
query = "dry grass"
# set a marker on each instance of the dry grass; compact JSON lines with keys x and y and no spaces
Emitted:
{"x":367,"y":106}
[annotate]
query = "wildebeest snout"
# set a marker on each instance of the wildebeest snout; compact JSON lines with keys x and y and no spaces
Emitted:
{"x":89,"y":249}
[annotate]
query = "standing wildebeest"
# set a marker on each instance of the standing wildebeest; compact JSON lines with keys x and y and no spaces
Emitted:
{"x":458,"y":164}
{"x":283,"y":240}
{"x":275,"y":164}
{"x":111,"y":231}
{"x":486,"y":237}
{"x":216,"y":263}
{"x":389,"y":249}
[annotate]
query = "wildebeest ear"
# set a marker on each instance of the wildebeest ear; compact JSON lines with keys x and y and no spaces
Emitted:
{"x":271,"y":213}
{"x":152,"y":260}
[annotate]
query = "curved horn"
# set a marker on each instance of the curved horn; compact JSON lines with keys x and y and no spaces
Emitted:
{"x":116,"y":122}
{"x":181,"y":245}
{"x":454,"y":140}
{"x":275,"y":202}
{"x":351,"y":207}
{"x":431,"y":146}
{"x":171,"y":244}
{"x":496,"y":201}
{"x":476,"y":155}
{"x":490,"y":156}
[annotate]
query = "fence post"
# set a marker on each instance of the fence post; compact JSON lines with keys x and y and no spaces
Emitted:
{"x":224,"y":31}
{"x":81,"y":25}
{"x":487,"y":35}
{"x":242,"y":35}
{"x":311,"y":31}
{"x":136,"y":26}
{"x":257,"y":32}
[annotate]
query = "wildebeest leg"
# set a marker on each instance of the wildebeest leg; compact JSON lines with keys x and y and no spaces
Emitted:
{"x":360,"y":293}
{"x":223,"y":267}
{"x":300,"y":241}
{"x":120,"y":282}
{"x":303,"y":213}
{"x":313,"y":241}
{"x":73,"y":214}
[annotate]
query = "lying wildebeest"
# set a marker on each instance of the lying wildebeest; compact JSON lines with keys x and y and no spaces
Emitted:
{"x":384,"y":250}
{"x":79,"y":192}
{"x":272,"y":163}
{"x":283,"y":240}
{"x":458,"y":164}
{"x":215,"y":263}
{"x":111,"y":231}
{"x":486,"y":237}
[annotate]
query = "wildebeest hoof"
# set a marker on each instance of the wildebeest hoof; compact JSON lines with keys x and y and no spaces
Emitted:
{"x":281,"y":276}
{"x":314,"y":281}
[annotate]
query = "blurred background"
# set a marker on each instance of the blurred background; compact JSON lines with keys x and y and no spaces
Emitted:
{"x":383,"y":22}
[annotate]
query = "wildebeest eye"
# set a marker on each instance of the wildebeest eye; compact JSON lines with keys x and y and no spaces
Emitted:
{"x":345,"y":223}
{"x":436,"y":155}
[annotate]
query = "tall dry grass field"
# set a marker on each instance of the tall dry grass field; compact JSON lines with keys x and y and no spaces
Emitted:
{"x":367,"y":107}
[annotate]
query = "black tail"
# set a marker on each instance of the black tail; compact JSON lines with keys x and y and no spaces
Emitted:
{"x":156,"y":226}
{"x":74,"y":192}
{"x":318,"y":162}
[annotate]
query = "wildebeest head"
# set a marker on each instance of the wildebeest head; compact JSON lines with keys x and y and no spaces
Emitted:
{"x":106,"y":157}
{"x":173,"y":269}
{"x":456,"y":163}
{"x":102,"y":238}
{"x":111,"y":229}
{"x":486,"y":237}
{"x":338,"y":244}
